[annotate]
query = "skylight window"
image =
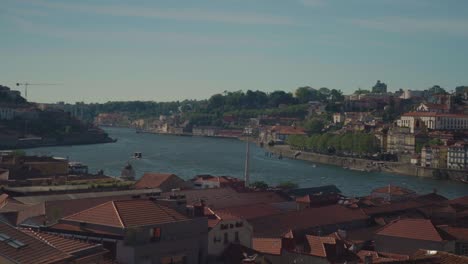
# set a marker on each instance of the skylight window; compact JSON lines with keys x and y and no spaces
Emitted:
{"x":11,"y":242}
{"x":4,"y":237}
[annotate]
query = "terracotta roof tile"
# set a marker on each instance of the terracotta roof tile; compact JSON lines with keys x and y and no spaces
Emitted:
{"x":459,"y":233}
{"x":270,"y":246}
{"x":103,"y":214}
{"x":438,"y":257}
{"x":82,"y":229}
{"x":153,"y":180}
{"x":394,"y":190}
{"x":146,"y":212}
{"x":128,"y":213}
{"x":317,"y":244}
{"x":249,"y":211}
{"x":280,"y":224}
{"x":217,"y":198}
{"x":35,"y":251}
{"x":420,"y":229}
{"x":379,"y":257}
{"x":65,"y":244}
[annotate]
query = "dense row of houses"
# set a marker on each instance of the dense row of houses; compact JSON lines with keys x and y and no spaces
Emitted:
{"x":165,"y":220}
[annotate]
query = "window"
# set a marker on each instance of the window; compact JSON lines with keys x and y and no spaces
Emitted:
{"x":463,"y":249}
{"x":226,"y":238}
{"x":155,"y":234}
{"x":236,"y":238}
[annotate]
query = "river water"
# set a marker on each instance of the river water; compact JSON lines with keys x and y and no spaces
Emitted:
{"x":190,"y":156}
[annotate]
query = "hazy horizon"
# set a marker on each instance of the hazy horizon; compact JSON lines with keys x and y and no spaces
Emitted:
{"x":171,"y":51}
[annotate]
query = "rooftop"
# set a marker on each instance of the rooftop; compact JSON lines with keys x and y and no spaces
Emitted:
{"x":72,"y":196}
{"x":127,"y":213}
{"x":420,"y":229}
{"x":270,"y":246}
{"x":434,"y":114}
{"x":278,"y":225}
{"x":154,"y":180}
{"x":438,"y":257}
{"x":20,"y":247}
{"x":394,"y":190}
{"x":217,"y":198}
{"x":248,"y":211}
{"x":318,"y":244}
{"x":66,"y":244}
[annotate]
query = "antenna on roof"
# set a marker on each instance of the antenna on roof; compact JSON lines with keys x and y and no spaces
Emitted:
{"x":246,"y":172}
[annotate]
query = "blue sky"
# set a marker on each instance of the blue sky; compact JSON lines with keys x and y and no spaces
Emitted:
{"x":102,"y":50}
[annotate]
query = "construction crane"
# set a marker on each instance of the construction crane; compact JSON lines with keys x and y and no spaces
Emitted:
{"x":26,"y":84}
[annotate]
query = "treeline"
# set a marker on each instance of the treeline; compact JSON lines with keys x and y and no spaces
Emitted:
{"x":348,"y":143}
{"x":233,"y":101}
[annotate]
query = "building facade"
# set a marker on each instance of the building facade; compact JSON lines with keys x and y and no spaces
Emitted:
{"x":433,"y":121}
{"x":457,"y":156}
{"x":434,"y":157}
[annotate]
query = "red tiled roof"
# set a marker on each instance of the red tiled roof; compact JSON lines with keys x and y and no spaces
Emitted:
{"x":65,"y":244}
{"x":459,"y":233}
{"x":63,"y":208}
{"x":249,"y":211}
{"x":153,"y":180}
{"x":303,"y":199}
{"x":317,"y":245}
{"x":35,"y":251}
{"x":279,"y":224}
{"x":83,"y":229}
{"x":378,"y":257}
{"x":434,"y":114}
{"x":460,"y":201}
{"x":438,"y":257}
{"x":270,"y":246}
{"x":217,"y":198}
{"x":128,"y":213}
{"x":213,"y":219}
{"x":420,"y":229}
{"x":103,"y":214}
{"x":393,"y":190}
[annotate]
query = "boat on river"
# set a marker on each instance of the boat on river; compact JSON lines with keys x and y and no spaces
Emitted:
{"x":137,"y":155}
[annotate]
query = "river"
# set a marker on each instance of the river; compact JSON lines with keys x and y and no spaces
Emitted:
{"x":190,"y":156}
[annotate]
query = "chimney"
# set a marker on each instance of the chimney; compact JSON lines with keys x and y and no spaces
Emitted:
{"x":288,"y":242}
{"x":199,"y":209}
{"x":368,"y":259}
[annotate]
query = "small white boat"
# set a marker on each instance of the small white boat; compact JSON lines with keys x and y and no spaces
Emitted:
{"x":314,"y":165}
{"x":137,"y":155}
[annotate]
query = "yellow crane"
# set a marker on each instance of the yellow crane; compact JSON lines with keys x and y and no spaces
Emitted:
{"x":26,"y":84}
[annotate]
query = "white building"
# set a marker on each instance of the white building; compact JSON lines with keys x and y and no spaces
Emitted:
{"x":225,"y":229}
{"x":408,"y":94}
{"x":434,"y":121}
{"x":457,"y":156}
{"x":338,"y":118}
{"x":7,"y":113}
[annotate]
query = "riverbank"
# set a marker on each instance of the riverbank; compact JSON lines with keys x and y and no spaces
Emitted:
{"x":81,"y":139}
{"x":370,"y":165}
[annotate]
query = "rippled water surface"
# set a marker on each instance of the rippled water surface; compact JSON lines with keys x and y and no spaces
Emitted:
{"x":189,"y":156}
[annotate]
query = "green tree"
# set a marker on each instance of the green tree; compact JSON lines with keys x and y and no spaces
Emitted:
{"x":306,"y":94}
{"x":314,"y":126}
{"x":361,"y":91}
{"x":436,"y":89}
